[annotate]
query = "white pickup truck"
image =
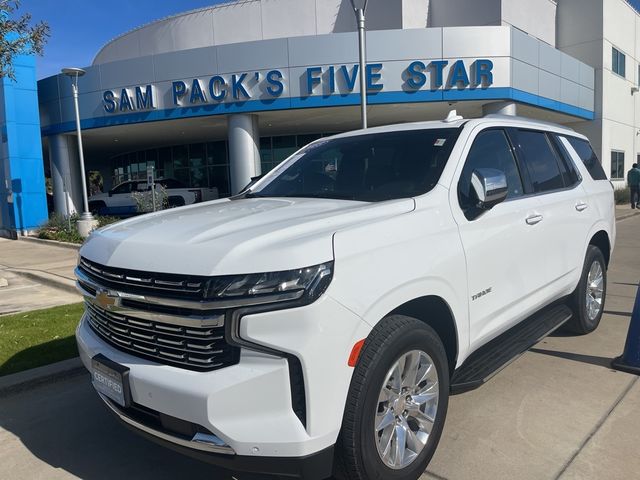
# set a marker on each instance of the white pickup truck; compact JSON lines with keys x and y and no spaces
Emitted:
{"x":317,"y":323}
{"x":119,"y":201}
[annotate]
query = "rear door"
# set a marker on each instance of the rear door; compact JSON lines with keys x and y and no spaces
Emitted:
{"x":564,"y":212}
{"x":501,"y":248}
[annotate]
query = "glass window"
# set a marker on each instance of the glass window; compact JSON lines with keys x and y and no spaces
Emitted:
{"x":588,"y":157}
{"x":217,"y":153}
{"x":540,"y":160}
{"x":182,"y":175}
{"x":303,"y":140}
{"x":617,"y":165}
{"x":219,"y":178}
{"x":171,"y":183}
{"x":567,"y":168}
{"x":283,"y":147}
{"x":180,"y":154}
{"x":123,"y":188}
{"x":490,"y":149}
{"x":365,"y":167}
{"x":166,"y":164}
{"x":618,"y":61}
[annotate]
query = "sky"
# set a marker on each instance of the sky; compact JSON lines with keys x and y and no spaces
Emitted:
{"x":79,"y":28}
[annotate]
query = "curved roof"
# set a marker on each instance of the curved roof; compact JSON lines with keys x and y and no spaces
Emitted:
{"x":252,"y":20}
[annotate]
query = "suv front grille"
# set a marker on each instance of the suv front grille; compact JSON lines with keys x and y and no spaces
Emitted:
{"x":192,"y":347}
{"x":189,"y":287}
{"x":184,"y":336}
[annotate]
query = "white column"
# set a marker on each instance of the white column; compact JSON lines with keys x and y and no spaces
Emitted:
{"x":244,"y":149}
{"x":67,"y":197}
{"x":501,"y":108}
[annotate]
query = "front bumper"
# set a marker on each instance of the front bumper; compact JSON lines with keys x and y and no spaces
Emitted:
{"x":248,"y":406}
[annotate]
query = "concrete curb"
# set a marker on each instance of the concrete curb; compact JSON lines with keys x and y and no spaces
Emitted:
{"x":21,"y":381}
{"x":52,"y":243}
{"x":627,"y":215}
{"x":55,"y":281}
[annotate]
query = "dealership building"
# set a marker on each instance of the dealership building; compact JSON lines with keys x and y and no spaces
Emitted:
{"x":215,"y":96}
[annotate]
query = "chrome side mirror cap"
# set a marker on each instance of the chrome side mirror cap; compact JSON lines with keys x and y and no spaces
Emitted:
{"x":490,"y":187}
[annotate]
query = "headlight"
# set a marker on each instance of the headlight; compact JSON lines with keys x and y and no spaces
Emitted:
{"x":304,"y":283}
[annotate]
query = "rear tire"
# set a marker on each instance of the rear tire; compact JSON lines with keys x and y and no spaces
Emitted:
{"x":96,"y":208}
{"x":399,"y":390}
{"x":587,"y":301}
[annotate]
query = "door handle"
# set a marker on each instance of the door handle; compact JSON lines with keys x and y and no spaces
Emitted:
{"x":581,"y":206}
{"x":533,"y":219}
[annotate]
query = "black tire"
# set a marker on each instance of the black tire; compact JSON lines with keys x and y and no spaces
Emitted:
{"x":175,"y":201}
{"x":581,"y":323}
{"x":357,"y":455}
{"x":96,"y":208}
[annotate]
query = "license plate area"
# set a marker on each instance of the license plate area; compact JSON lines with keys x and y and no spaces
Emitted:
{"x":111,"y":380}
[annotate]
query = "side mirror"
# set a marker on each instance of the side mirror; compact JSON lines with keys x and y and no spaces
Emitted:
{"x":490,"y":187}
{"x":111,"y":193}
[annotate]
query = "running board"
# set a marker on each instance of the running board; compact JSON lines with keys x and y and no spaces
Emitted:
{"x":489,"y":359}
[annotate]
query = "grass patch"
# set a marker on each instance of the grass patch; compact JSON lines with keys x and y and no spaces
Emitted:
{"x":40,"y":337}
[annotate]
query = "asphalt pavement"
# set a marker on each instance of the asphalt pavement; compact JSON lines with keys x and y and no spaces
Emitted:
{"x":558,"y":412}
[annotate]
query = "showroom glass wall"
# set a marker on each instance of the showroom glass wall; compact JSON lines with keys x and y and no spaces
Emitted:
{"x":202,"y":164}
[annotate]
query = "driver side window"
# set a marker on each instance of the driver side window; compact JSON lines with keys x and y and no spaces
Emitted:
{"x":490,"y":149}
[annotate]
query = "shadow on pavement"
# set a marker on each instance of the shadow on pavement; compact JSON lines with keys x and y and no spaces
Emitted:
{"x":576,"y":357}
{"x":65,"y":425}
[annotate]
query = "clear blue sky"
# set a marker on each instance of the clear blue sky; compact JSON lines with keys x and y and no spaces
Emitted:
{"x":80,"y":27}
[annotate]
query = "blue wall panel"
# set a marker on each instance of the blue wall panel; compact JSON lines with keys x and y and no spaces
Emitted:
{"x":23,"y":204}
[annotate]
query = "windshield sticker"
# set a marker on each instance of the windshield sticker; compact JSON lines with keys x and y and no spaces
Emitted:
{"x":439,"y":142}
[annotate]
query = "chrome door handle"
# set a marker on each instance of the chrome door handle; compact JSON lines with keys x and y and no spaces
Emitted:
{"x":581,"y":206}
{"x":533,"y":219}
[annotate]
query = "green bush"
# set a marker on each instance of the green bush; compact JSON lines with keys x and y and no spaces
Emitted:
{"x":622,"y":195}
{"x":64,"y":229}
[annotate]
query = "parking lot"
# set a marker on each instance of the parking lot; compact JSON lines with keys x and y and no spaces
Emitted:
{"x":559,"y":411}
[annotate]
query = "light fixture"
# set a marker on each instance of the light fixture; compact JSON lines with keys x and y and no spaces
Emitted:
{"x":86,"y":222}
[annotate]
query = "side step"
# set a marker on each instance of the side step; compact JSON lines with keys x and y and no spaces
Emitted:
{"x":489,"y":359}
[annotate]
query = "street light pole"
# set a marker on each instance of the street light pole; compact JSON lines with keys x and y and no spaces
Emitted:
{"x":86,"y":223}
{"x":363,"y":59}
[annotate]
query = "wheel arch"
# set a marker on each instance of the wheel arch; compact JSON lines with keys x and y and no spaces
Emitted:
{"x":601,"y":240}
{"x":435,"y":312}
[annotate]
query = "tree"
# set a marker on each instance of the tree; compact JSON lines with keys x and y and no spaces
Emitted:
{"x":18,"y":37}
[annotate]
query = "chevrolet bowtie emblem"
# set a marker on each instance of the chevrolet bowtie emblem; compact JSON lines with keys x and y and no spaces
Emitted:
{"x":105,"y":300}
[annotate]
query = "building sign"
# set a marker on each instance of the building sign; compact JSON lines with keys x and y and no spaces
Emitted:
{"x":317,"y":80}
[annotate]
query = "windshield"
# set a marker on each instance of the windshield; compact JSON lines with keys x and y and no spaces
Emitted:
{"x":369,"y":167}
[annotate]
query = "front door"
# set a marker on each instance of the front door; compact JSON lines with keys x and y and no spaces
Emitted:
{"x":502,"y":245}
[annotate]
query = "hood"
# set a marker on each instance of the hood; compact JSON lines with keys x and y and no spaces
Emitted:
{"x":234,"y":236}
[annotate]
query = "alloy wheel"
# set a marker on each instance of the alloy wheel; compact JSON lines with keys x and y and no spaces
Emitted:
{"x":595,"y":290}
{"x":407,"y":406}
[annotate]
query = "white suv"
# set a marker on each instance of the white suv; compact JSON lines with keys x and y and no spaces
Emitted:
{"x":318,"y":322}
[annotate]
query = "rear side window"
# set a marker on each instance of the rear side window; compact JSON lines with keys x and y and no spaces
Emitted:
{"x":588,"y":157}
{"x":540,"y":160}
{"x":567,"y":167}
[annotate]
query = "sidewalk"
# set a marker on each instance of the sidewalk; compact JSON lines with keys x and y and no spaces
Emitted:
{"x":559,"y":412}
{"x":38,"y":275}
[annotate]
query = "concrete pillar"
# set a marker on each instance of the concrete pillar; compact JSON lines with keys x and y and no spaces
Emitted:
{"x":244,"y":149}
{"x":67,"y":191}
{"x":501,"y":108}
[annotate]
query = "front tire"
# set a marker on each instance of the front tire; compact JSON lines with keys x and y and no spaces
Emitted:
{"x":397,"y":403}
{"x":587,"y":301}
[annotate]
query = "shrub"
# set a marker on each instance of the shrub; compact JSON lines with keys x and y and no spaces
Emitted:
{"x":622,"y":195}
{"x":144,"y":200}
{"x":64,"y":229}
